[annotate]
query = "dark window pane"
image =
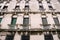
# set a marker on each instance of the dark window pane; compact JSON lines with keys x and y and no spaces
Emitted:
{"x":58,"y":32}
{"x":26,"y":7}
{"x":44,"y":21}
{"x":58,"y":0}
{"x":5,"y":7}
{"x":40,"y":7}
{"x":0,"y":6}
{"x":0,"y":20}
{"x":17,"y":7}
{"x":56,"y":20}
{"x":50,"y":7}
{"x":26,"y":21}
{"x":27,"y":1}
{"x":13,"y":22}
{"x":40,"y":1}
{"x":48,"y":37}
{"x":9,"y":37}
{"x":48,"y":1}
{"x":25,"y":37}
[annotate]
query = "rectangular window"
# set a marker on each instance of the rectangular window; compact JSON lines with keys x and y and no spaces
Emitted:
{"x":5,"y":7}
{"x":9,"y":37}
{"x":56,"y":20}
{"x":25,"y":37}
{"x":26,"y":7}
{"x":48,"y":2}
{"x":13,"y":22}
{"x":40,"y":1}
{"x":17,"y":7}
{"x":50,"y":7}
{"x":45,"y":24}
{"x":48,"y":37}
{"x":44,"y":21}
{"x":40,"y":7}
{"x":58,"y":0}
{"x":0,"y":20}
{"x":27,"y":1}
{"x":26,"y":21}
{"x":58,"y":32}
{"x":0,"y":6}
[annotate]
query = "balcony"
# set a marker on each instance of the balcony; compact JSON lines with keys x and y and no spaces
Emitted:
{"x":45,"y":26}
{"x":4,"y":10}
{"x":42,"y":9}
{"x":12,"y":27}
{"x":17,"y":10}
{"x":27,"y":10}
{"x":52,"y":10}
{"x":25,"y":27}
{"x":57,"y":26}
{"x":18,"y":27}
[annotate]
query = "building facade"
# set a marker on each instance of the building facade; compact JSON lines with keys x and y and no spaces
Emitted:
{"x":29,"y":19}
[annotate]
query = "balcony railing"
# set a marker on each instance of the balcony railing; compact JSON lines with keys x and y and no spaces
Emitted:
{"x":19,"y":27}
{"x":52,"y":10}
{"x":45,"y":26}
{"x":16,"y":10}
{"x":4,"y":10}
{"x":12,"y":26}
{"x":27,"y":10}
{"x":42,"y":9}
{"x":57,"y":26}
{"x":25,"y":26}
